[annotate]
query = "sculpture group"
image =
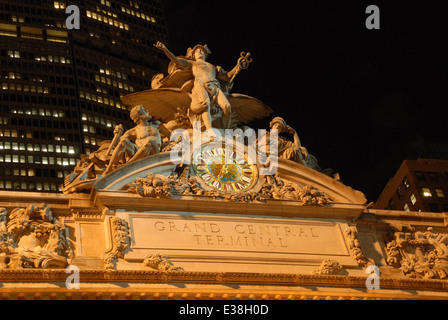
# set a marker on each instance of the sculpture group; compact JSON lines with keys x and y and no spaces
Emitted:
{"x":193,"y":90}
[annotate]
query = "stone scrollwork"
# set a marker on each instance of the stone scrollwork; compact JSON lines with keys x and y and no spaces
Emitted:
{"x":32,"y":237}
{"x":119,"y":243}
{"x":419,"y":254}
{"x":159,"y":262}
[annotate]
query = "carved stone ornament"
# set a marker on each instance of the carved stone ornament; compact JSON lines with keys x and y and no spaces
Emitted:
{"x":159,"y":262}
{"x":159,"y":186}
{"x":419,"y":254}
{"x":32,"y":237}
{"x":354,"y":246}
{"x":119,"y":243}
{"x":328,"y":267}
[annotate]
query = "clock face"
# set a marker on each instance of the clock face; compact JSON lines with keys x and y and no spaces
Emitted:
{"x":231,"y":175}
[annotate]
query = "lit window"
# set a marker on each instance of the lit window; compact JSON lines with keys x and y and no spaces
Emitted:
{"x":440,"y":193}
{"x":406,"y":207}
{"x":406,"y":182}
{"x":426,"y":192}
{"x":413,"y":199}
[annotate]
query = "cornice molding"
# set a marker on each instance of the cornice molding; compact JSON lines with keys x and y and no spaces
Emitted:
{"x":218,"y":278}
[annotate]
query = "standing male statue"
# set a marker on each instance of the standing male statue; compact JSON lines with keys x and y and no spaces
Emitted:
{"x":206,"y":90}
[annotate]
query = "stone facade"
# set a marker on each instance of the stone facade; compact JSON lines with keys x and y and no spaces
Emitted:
{"x":212,"y":222}
{"x":270,"y":249}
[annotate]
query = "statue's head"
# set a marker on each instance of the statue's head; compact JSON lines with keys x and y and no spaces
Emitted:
{"x":139,"y":113}
{"x":198,"y":51}
{"x":278,"y":123}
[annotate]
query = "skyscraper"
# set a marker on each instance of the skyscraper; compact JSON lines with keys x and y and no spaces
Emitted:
{"x":61,"y":88}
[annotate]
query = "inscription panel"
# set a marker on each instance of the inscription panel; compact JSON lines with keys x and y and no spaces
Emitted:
{"x":218,"y":233}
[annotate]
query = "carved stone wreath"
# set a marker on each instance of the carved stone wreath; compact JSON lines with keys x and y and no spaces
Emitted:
{"x":32,"y":237}
{"x":419,"y":254}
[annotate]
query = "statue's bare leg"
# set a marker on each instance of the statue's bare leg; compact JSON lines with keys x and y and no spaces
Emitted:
{"x":226,"y":109}
{"x":207,"y":119}
{"x":201,"y":101}
{"x":124,"y":147}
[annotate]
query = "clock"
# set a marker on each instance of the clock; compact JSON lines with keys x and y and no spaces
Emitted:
{"x":222,"y":169}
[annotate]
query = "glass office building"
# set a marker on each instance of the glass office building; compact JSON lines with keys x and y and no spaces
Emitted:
{"x":61,"y":88}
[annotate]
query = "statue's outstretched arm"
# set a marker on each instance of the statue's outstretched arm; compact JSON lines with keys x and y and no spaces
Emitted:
{"x":182,"y":63}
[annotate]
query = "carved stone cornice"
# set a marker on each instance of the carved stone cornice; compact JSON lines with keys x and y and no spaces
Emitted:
{"x":241,"y":278}
{"x":123,"y":200}
{"x":93,"y":215}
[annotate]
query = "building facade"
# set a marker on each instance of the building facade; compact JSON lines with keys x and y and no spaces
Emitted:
{"x":418,"y":185}
{"x":204,"y":227}
{"x":121,"y":242}
{"x":61,"y":88}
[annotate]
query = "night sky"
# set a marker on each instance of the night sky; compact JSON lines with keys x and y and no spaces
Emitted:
{"x":356,"y":97}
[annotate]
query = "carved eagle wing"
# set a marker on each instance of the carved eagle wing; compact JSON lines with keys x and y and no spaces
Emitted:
{"x":161,"y":103}
{"x":247,"y":108}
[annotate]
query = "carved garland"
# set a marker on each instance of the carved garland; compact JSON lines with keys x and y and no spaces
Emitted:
{"x":328,"y":267}
{"x":158,"y":186}
{"x":159,"y":262}
{"x":354,"y":246}
{"x":119,"y":243}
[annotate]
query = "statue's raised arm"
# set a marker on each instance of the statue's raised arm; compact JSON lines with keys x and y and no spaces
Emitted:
{"x":182,"y":63}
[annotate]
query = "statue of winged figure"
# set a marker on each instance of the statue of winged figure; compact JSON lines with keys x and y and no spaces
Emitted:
{"x":201,"y":89}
